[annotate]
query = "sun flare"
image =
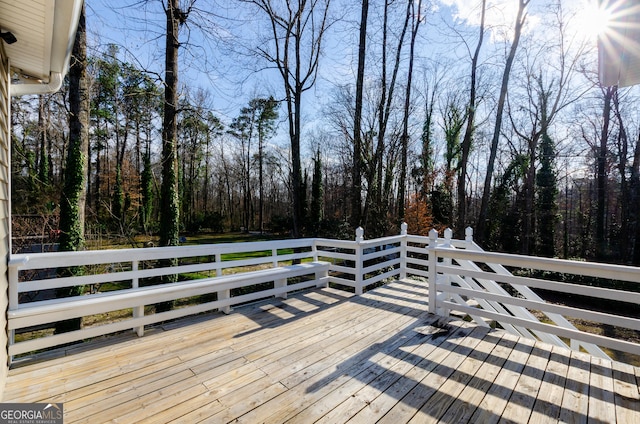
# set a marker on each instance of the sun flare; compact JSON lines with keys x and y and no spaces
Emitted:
{"x":593,"y":19}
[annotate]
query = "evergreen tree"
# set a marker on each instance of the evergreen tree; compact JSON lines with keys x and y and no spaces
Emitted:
{"x":546,"y":207}
{"x":315,"y":211}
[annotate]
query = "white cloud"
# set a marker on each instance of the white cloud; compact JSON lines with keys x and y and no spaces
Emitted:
{"x":499,"y":18}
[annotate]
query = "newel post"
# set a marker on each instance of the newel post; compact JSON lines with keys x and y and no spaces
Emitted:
{"x":403,"y":250}
{"x":433,"y":273}
{"x":468,"y":238}
{"x":448,"y":235}
{"x":358,"y":264}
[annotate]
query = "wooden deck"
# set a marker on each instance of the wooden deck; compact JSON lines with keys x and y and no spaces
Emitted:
{"x":327,"y":356}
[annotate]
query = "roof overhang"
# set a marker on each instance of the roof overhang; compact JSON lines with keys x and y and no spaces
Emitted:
{"x":45,"y":32}
{"x":619,"y":44}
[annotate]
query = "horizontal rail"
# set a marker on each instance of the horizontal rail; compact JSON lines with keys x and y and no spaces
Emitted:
{"x":589,"y":269}
{"x":46,"y":312}
{"x":460,"y":275}
{"x":472,"y":282}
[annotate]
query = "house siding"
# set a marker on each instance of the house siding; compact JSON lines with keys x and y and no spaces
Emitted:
{"x":5,"y":223}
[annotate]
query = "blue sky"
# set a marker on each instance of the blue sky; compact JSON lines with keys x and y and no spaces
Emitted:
{"x":216,"y":63}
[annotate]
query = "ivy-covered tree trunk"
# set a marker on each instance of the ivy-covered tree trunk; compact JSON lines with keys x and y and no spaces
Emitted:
{"x":169,"y":206}
{"x":169,"y":212}
{"x":73,"y":197}
{"x":547,"y":207}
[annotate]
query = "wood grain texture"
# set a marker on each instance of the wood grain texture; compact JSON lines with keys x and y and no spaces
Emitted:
{"x":327,"y":356}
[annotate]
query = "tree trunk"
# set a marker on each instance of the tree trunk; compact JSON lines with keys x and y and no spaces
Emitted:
{"x":169,"y":211}
{"x":356,"y":195}
{"x":468,"y":133}
{"x":484,"y":205}
{"x":169,"y":204}
{"x":601,"y":176}
{"x":375,"y":215}
{"x":72,"y":202}
{"x":405,"y":122}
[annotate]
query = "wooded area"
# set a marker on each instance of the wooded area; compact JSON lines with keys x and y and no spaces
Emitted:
{"x":510,"y":134}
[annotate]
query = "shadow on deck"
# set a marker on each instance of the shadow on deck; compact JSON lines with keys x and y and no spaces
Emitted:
{"x":328,"y":356}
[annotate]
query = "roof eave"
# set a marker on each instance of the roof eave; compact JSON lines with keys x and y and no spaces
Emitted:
{"x":67,"y":14}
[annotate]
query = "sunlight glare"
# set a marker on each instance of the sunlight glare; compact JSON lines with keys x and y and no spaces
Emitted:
{"x":593,"y":19}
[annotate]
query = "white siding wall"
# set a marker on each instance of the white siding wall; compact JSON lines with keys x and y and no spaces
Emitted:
{"x":5,"y":222}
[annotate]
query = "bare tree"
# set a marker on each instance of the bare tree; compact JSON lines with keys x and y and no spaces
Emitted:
{"x":484,"y":206}
{"x":601,"y":171}
{"x":379,"y":178}
{"x":465,"y":148}
{"x":297,"y":32}
{"x":415,"y":24}
{"x":356,"y":195}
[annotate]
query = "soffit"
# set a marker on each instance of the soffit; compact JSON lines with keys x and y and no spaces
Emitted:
{"x":32,"y":23}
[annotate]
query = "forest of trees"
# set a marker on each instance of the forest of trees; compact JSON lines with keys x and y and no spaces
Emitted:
{"x":511,"y":134}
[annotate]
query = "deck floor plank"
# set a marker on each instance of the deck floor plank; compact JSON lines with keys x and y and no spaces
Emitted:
{"x":327,"y":356}
{"x":317,"y":380}
{"x":520,"y":405}
{"x":440,"y":402}
{"x":575,"y":401}
{"x":492,"y":406}
{"x":435,"y":350}
{"x":427,"y":380}
{"x":626,"y":392}
{"x":465,"y":405}
{"x":547,"y":406}
{"x":601,"y":391}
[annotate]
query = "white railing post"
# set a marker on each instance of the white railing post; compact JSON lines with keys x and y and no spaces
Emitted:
{"x":223,"y":294}
{"x":322,"y":279}
{"x":448,"y":236}
{"x":403,"y":251}
{"x":433,"y":273}
{"x":138,"y":311}
{"x":314,"y":249}
{"x":468,"y":237}
{"x":218,"y":265}
{"x":13,"y":292}
{"x":359,"y":266}
{"x":14,"y":267}
{"x":282,"y":282}
{"x":274,"y":257}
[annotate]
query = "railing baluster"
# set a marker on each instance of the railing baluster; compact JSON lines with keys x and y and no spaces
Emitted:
{"x":403,"y":251}
{"x":359,"y":264}
{"x":433,"y":272}
{"x":138,"y":311}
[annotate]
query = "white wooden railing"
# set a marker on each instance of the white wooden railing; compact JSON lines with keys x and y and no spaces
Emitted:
{"x":461,"y":277}
{"x":478,"y":283}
